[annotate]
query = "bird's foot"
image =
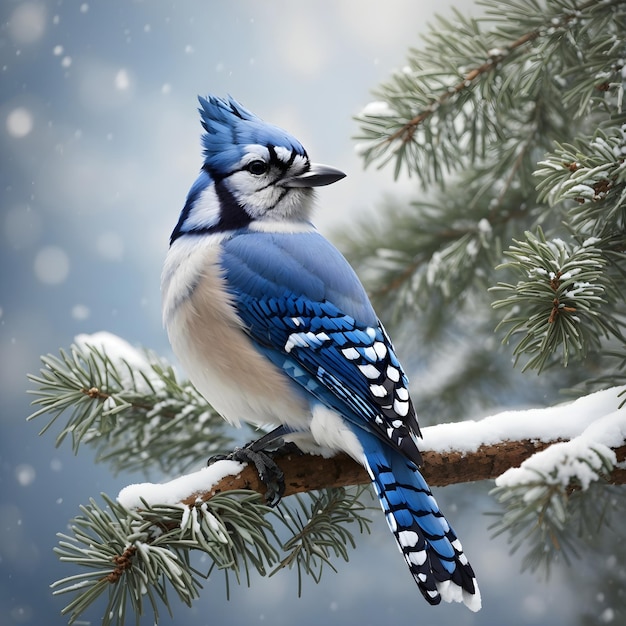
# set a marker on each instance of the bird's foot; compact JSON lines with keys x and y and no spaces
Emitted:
{"x":269,"y":473}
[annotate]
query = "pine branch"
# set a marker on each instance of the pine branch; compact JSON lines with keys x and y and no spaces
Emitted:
{"x":137,"y":557}
{"x":135,"y":554}
{"x":309,"y":473}
{"x":563,"y":291}
{"x":436,"y":115}
{"x":138,"y":549}
{"x":406,"y":132}
{"x":590,"y":172}
{"x":541,"y":499}
{"x":495,"y":57}
{"x":546,"y":82}
{"x":140,"y":546}
{"x":123,"y":402}
{"x":543,"y":72}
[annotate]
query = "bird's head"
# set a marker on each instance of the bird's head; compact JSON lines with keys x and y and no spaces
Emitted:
{"x":252,"y":171}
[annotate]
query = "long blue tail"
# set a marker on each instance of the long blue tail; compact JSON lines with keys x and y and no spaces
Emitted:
{"x":429,"y":545}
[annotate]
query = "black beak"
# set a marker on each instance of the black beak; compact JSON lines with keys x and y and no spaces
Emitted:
{"x":316,"y":176}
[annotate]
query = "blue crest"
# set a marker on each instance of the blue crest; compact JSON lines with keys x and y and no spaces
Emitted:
{"x":230,"y":127}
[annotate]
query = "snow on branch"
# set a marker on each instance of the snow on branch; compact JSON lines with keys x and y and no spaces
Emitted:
{"x":453,"y":453}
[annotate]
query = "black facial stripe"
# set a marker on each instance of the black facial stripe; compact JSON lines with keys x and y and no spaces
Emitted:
{"x":216,"y":176}
{"x":232,"y":216}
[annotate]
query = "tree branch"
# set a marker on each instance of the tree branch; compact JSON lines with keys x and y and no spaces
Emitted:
{"x":508,"y":439}
{"x":308,"y":472}
{"x":406,"y":131}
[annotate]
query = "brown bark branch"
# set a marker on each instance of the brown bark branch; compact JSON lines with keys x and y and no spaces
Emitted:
{"x":307,"y":472}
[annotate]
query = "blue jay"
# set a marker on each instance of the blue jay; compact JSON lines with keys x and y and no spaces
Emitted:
{"x":273,"y":327}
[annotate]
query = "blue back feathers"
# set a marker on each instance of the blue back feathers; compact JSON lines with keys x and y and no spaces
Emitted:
{"x":230,"y":127}
{"x":304,"y":306}
{"x":265,"y":265}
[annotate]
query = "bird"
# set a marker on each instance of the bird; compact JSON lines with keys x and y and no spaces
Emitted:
{"x":274,"y":328}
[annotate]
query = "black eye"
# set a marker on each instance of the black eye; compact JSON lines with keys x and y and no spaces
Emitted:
{"x":257,"y":167}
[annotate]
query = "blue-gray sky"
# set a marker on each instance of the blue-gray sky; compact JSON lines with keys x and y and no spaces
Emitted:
{"x":100,"y":141}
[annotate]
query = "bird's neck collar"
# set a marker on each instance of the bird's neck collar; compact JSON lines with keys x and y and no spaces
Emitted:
{"x":281,"y":226}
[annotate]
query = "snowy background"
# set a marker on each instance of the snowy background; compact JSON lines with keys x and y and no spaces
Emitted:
{"x":100,"y":142}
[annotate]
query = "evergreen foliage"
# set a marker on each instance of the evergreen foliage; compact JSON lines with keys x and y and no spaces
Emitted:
{"x":142,"y":416}
{"x":129,"y":407}
{"x":513,"y":124}
{"x":568,"y":517}
{"x":564,"y":308}
{"x":151,"y":548}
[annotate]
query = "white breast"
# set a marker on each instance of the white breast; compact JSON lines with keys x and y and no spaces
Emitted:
{"x":208,"y":339}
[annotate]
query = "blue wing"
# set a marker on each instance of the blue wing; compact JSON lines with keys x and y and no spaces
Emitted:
{"x":306,"y":310}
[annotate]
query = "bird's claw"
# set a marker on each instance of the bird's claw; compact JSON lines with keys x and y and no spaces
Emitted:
{"x":269,"y":473}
